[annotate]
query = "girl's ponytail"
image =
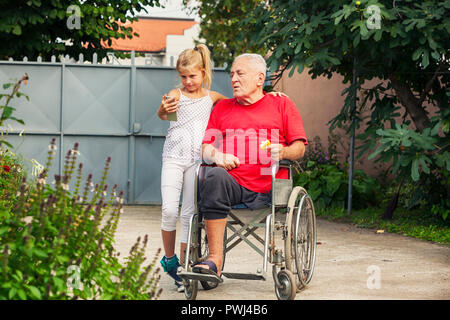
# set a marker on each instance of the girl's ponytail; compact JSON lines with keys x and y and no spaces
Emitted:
{"x":206,"y":57}
{"x":197,"y":57}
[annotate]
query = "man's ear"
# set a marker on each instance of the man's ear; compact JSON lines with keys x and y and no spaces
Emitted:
{"x":261,"y":79}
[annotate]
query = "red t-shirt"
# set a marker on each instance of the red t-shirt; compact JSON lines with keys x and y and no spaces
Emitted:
{"x":240,"y":129}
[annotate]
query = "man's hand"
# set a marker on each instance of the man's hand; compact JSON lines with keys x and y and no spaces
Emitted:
{"x":226,"y":160}
{"x":277,"y":151}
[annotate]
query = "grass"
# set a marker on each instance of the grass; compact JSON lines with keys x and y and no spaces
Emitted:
{"x":408,"y":223}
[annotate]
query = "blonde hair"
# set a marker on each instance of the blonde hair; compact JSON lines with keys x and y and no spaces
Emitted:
{"x":197,"y":57}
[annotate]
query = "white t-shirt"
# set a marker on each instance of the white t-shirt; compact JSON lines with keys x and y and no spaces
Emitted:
{"x":184,"y":137}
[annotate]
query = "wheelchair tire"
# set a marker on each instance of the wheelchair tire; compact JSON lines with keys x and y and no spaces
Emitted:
{"x":203,"y":252}
{"x":300,"y":242}
{"x":190,"y":289}
{"x":190,"y":285}
{"x":287,"y":289}
{"x":306,"y":233}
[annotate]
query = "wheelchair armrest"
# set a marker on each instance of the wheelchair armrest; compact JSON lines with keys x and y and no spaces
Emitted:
{"x":206,"y":164}
{"x":286,"y":162}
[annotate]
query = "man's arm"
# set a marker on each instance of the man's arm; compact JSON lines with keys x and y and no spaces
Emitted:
{"x":294,"y":151}
{"x":210,"y":155}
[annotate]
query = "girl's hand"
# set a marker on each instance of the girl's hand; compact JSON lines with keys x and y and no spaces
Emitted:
{"x":277,"y":94}
{"x":169,"y":104}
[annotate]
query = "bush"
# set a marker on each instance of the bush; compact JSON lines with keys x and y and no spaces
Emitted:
{"x":327,"y":180}
{"x":422,"y":161}
{"x":11,"y":175}
{"x":55,"y":244}
{"x":6,"y":110}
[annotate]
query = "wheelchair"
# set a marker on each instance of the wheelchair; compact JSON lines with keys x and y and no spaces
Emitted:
{"x":292,"y":263}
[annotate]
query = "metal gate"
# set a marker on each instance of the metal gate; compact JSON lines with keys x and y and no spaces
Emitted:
{"x":110,"y":110}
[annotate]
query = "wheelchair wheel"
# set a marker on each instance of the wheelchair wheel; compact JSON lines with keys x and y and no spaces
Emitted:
{"x":191,"y":286}
{"x":306,"y":239}
{"x":300,"y":242}
{"x":190,"y":289}
{"x":203,"y":253}
{"x":287,"y":289}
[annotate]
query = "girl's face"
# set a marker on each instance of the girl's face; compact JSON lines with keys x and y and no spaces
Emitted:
{"x":191,"y":78}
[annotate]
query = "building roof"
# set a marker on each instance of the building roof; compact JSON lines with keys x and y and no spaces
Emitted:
{"x":152,"y":34}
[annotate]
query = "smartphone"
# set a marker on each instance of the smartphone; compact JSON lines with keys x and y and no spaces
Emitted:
{"x":173,"y":115}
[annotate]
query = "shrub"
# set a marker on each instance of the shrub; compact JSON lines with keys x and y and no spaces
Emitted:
{"x":6,"y":110}
{"x":327,"y":180}
{"x":11,"y":175}
{"x":421,"y":159}
{"x":55,"y":244}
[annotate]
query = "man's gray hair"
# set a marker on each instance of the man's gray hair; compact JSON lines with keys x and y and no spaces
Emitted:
{"x":256,"y":59}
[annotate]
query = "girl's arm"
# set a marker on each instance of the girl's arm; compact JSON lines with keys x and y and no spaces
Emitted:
{"x":216,"y":96}
{"x":277,"y":94}
{"x":169,"y":105}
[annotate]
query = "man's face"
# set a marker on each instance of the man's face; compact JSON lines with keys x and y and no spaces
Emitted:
{"x":245,"y":79}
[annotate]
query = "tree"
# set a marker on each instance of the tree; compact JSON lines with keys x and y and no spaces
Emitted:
{"x":403,"y":44}
{"x":44,"y":28}
{"x":219,"y":27}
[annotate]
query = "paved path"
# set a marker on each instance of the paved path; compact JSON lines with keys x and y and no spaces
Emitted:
{"x":349,"y":262}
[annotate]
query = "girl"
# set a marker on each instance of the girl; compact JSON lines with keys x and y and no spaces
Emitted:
{"x":192,"y":103}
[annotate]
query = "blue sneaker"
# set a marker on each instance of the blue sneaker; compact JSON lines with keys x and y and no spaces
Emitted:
{"x":170,"y":265}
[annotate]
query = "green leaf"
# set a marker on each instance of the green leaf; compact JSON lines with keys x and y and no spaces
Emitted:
{"x":424,"y":166}
{"x":416,"y":54}
{"x":338,"y":19}
{"x":22,"y":294}
{"x":274,"y":65}
{"x":356,"y":40}
{"x":12,"y":293}
{"x":4,"y":230}
{"x":310,"y":164}
{"x":425,"y":59}
{"x":35,"y":292}
{"x":378,"y":35}
{"x":6,"y":143}
{"x":415,"y":170}
{"x":436,"y":128}
{"x":17,"y":30}
{"x":40,"y":253}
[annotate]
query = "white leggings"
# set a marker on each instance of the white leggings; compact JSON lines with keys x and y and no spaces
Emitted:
{"x":177,"y":175}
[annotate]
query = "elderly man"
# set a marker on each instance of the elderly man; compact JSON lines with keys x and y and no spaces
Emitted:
{"x":236,"y":129}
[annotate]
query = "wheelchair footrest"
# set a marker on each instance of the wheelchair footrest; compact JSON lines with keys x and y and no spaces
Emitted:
{"x":243,"y":276}
{"x":199,"y":276}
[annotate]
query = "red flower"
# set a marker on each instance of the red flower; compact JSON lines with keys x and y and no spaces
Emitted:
{"x":6,"y":168}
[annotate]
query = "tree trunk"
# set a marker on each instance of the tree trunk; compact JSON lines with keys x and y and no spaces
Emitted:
{"x":412,"y":104}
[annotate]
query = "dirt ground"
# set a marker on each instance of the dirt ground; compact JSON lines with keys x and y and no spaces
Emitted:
{"x":352,"y":263}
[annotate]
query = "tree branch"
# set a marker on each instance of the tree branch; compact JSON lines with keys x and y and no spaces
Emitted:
{"x":412,"y":105}
{"x":429,"y":85}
